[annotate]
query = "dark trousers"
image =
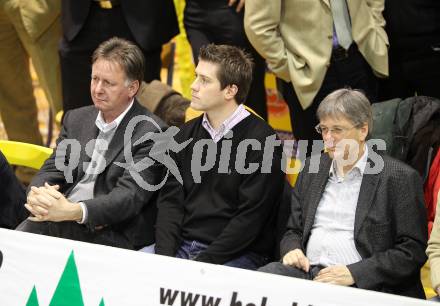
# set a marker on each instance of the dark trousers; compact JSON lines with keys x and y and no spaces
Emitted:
{"x":280,"y":269}
{"x":76,"y":55}
{"x":352,"y":71}
{"x":74,"y":231}
{"x":412,"y":73}
{"x":215,"y":22}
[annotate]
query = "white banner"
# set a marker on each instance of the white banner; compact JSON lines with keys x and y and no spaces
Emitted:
{"x":40,"y":270}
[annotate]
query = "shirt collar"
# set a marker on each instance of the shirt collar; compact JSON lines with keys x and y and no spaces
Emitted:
{"x":106,"y":127}
{"x":360,"y":164}
{"x":239,"y":114}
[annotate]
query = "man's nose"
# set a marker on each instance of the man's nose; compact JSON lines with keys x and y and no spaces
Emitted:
{"x":98,"y":87}
{"x":194,"y":86}
{"x":326,"y":134}
{"x":328,"y":137}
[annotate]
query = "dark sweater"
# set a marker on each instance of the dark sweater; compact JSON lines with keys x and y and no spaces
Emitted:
{"x":231,"y":212}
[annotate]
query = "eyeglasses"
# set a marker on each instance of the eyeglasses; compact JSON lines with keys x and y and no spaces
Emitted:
{"x":336,"y":131}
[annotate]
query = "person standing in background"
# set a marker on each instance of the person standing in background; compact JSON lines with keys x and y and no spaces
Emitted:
{"x":319,"y":46}
{"x":413,"y":27}
{"x":28,"y":29}
{"x":87,"y":23}
{"x":221,"y":22}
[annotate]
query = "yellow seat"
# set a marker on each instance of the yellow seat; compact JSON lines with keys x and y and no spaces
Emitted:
{"x":425,"y":276}
{"x":294,"y":165}
{"x":58,"y":117}
{"x":253,"y":112}
{"x":24,"y":154}
{"x":429,"y":292}
{"x":191,"y":113}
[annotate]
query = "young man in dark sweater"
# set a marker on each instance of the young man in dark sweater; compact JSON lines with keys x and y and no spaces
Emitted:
{"x":224,"y":207}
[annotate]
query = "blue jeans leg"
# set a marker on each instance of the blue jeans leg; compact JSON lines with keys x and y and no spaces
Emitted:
{"x":248,"y":261}
{"x":190,"y":249}
{"x":148,"y":249}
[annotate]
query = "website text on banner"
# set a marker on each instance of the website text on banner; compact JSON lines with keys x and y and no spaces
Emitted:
{"x":41,"y":270}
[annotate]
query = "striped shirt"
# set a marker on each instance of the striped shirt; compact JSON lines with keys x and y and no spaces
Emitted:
{"x":332,"y":237}
{"x":239,"y":114}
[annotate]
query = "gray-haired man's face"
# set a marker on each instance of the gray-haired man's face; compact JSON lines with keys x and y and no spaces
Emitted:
{"x":109,"y":89}
{"x":341,"y":137}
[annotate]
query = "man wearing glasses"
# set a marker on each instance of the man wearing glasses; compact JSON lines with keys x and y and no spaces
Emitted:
{"x":357,"y":218}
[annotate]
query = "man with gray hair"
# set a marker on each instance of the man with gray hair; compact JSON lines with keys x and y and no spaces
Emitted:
{"x":359,"y":220}
{"x":99,"y":200}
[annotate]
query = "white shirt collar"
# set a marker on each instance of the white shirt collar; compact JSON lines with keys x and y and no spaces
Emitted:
{"x":106,"y":127}
{"x":239,"y":114}
{"x":360,"y":164}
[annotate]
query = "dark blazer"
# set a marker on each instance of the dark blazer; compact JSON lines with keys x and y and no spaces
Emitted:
{"x":12,"y":196}
{"x":413,"y":26}
{"x":390,"y":230}
{"x":151,"y":22}
{"x":118,"y":200}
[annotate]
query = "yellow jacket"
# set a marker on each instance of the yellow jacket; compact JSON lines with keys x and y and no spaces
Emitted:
{"x":38,"y":15}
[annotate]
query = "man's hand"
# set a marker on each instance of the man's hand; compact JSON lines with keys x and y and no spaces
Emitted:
{"x":33,"y":195}
{"x":32,"y":192}
{"x":240,"y":4}
{"x":338,"y":275}
{"x":48,"y":204}
{"x":296,"y":258}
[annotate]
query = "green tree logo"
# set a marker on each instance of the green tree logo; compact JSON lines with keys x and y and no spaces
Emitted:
{"x":68,"y":291}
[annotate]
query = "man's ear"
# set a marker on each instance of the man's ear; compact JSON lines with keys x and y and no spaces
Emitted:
{"x":364,"y":131}
{"x":231,"y":91}
{"x":133,"y":88}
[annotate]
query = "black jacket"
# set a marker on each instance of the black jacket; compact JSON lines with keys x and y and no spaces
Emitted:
{"x":390,"y":229}
{"x":119,"y":201}
{"x":412,"y":25}
{"x":12,"y":196}
{"x":151,"y":22}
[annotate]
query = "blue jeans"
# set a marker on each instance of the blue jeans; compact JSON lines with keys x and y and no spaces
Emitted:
{"x":250,"y":260}
{"x":148,"y":249}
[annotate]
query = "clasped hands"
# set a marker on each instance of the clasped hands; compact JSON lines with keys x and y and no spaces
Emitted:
{"x":338,"y":275}
{"x":46,"y":203}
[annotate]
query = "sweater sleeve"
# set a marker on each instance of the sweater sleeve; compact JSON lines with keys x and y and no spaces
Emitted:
{"x":169,"y":217}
